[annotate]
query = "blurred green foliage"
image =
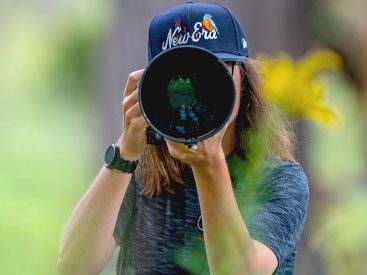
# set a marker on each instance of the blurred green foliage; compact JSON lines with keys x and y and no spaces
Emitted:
{"x":48,"y":73}
{"x":338,"y":232}
{"x":49,"y":54}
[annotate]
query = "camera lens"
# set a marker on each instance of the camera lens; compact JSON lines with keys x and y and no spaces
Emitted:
{"x":186,"y":94}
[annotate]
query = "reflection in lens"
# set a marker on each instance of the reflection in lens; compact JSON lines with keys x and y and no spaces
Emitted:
{"x":188,"y":111}
{"x":181,"y":91}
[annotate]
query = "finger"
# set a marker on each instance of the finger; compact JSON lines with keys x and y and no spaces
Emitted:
{"x":172,"y":143}
{"x":225,"y":127}
{"x":176,"y":146}
{"x":222,"y":131}
{"x":141,"y":123}
{"x":133,"y":112}
{"x":130,"y":101}
{"x":132,"y":82}
{"x":171,"y":148}
{"x":137,"y":124}
{"x":219,"y":135}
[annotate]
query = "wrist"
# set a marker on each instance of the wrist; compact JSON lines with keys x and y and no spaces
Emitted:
{"x":212,"y":163}
{"x":127,"y":154}
{"x":113,"y":160}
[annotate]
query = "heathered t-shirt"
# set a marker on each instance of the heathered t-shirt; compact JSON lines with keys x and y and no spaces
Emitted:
{"x":164,"y":235}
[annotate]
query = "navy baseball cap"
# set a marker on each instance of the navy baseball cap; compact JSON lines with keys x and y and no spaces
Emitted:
{"x":207,"y":25}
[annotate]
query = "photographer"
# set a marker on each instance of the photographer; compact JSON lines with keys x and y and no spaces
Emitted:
{"x":165,"y":194}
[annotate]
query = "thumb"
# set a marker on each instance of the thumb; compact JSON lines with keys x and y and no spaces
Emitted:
{"x":222,"y":131}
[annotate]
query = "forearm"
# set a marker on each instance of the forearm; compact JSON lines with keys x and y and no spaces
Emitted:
{"x":90,"y":228}
{"x":227,"y":240}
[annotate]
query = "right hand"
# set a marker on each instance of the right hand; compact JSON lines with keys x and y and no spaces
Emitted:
{"x":133,"y":139}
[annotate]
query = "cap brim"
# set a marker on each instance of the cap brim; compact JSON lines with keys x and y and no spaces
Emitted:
{"x":230,"y":57}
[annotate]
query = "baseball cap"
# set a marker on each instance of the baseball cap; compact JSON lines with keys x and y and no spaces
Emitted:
{"x":207,"y":25}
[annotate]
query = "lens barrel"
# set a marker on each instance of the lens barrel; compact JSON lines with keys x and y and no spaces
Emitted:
{"x":186,"y":94}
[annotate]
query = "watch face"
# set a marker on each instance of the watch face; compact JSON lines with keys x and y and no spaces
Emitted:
{"x":110,"y":155}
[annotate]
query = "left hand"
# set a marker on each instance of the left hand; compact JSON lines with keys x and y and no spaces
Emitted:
{"x":208,"y":151}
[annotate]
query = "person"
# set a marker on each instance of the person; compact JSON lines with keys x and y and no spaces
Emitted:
{"x":173,"y":210}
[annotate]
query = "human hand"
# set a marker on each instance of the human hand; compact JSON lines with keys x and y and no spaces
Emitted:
{"x":208,"y":151}
{"x":133,"y":139}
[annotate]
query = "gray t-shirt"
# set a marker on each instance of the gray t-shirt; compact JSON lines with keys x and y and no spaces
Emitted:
{"x":163,"y":234}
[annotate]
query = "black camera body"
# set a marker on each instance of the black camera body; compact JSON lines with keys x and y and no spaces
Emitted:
{"x":186,"y":95}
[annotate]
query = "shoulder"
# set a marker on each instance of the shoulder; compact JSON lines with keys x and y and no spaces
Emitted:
{"x":286,"y":175}
{"x":284,"y":189}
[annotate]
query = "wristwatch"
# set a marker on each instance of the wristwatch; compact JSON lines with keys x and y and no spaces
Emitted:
{"x":113,"y":160}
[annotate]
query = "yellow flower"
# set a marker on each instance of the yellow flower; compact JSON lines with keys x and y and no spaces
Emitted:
{"x":295,"y":87}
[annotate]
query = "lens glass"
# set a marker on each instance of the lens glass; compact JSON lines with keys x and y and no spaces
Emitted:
{"x":187,"y":94}
{"x":188,"y":112}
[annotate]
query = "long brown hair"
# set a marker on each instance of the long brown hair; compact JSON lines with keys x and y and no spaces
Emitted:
{"x":157,"y":168}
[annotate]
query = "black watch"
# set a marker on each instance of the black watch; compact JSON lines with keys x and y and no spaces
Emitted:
{"x":113,"y":159}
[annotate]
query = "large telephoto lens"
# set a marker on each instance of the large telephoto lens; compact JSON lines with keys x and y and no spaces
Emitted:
{"x":186,"y":94}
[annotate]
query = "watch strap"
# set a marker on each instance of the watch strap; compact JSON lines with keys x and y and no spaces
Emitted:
{"x":124,"y":165}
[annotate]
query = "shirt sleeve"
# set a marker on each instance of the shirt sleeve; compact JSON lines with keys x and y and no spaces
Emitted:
{"x":278,"y":218}
{"x":125,"y":212}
